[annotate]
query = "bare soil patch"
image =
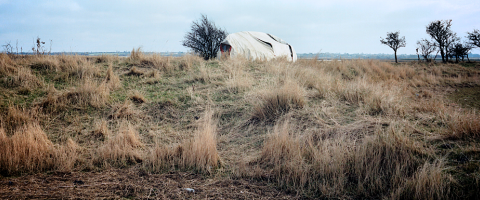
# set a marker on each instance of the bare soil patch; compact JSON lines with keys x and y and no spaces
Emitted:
{"x":134,"y":184}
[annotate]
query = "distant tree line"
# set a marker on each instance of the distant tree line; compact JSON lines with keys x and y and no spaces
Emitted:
{"x":443,"y":41}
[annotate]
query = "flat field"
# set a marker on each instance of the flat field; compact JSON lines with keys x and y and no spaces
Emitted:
{"x":155,"y":127}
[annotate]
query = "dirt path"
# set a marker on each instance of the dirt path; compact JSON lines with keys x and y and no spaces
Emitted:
{"x":128,"y":183}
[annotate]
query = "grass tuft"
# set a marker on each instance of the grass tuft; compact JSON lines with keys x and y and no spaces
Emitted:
{"x":125,"y":110}
{"x":278,"y":102}
{"x":137,"y":97}
{"x":463,"y":124}
{"x":27,"y":150}
{"x":199,"y":153}
{"x":112,"y":79}
{"x":121,"y":149}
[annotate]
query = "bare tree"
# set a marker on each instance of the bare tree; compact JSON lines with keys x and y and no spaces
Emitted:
{"x":204,"y":38}
{"x":426,"y":49}
{"x":442,"y":34}
{"x":394,"y":41}
{"x":474,"y":38}
{"x":8,"y":48}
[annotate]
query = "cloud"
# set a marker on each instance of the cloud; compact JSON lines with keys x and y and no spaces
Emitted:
{"x":333,"y":26}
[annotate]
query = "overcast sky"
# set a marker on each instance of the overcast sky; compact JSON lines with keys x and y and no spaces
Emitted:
{"x":349,"y":26}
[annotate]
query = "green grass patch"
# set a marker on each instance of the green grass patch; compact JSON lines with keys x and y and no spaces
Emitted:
{"x":468,"y":97}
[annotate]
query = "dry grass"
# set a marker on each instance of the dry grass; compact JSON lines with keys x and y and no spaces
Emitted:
{"x":126,"y":110}
{"x":27,"y":150}
{"x":199,"y":153}
{"x":44,"y":63}
{"x":238,"y":79}
{"x":122,"y":149}
{"x":347,"y":129}
{"x":278,"y":102}
{"x":156,"y":61}
{"x":101,"y":130}
{"x":135,"y":72}
{"x":371,"y":168}
{"x":188,"y":62}
{"x":384,"y":160}
{"x":7,"y":66}
{"x":25,"y":146}
{"x":66,"y":156}
{"x":22,"y":77}
{"x":88,"y":93}
{"x":429,"y":182}
{"x":463,"y":124}
{"x":112,"y":79}
{"x":76,"y":67}
{"x":12,"y":75}
{"x":204,"y":74}
{"x":137,"y":97}
{"x":136,"y":55}
{"x":16,"y":118}
{"x":105,"y":58}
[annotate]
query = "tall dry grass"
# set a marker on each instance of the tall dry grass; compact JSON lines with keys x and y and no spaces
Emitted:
{"x":7,"y":66}
{"x":373,"y":167}
{"x":377,"y":163}
{"x":27,"y":150}
{"x":200,"y":153}
{"x":101,"y":130}
{"x":157,"y":61}
{"x":14,"y":75}
{"x":238,"y":79}
{"x":340,"y":129}
{"x":25,"y":147}
{"x":126,"y":110}
{"x":22,"y":77}
{"x":76,"y":67}
{"x":112,"y":79}
{"x":88,"y":93}
{"x":187,"y":62}
{"x":121,"y":149}
{"x":462,"y":124}
{"x":280,"y":101}
{"x":429,"y":182}
{"x":67,"y":156}
{"x":44,"y":63}
{"x":105,"y":58}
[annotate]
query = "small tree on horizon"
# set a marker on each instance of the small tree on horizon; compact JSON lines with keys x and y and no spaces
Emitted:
{"x":459,"y":50}
{"x":474,"y":38}
{"x":204,"y":38}
{"x":394,"y":41}
{"x":426,"y":48}
{"x":442,"y":34}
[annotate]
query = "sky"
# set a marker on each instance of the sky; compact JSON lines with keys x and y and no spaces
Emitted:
{"x":310,"y":26}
